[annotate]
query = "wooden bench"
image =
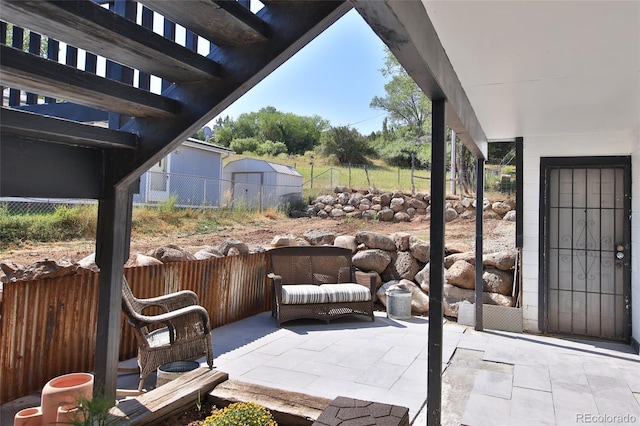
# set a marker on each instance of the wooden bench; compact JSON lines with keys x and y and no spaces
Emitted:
{"x":173,"y":398}
{"x":318,"y":282}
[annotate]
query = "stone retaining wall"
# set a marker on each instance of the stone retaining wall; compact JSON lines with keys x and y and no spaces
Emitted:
{"x":397,"y":206}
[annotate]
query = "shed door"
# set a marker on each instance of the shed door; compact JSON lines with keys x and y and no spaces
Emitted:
{"x":587,"y":249}
{"x":247,"y":188}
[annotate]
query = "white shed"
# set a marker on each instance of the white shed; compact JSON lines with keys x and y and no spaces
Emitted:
{"x":260,"y":183}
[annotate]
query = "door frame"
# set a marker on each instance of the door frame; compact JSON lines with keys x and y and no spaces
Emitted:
{"x":545,"y":164}
{"x":161,"y":166}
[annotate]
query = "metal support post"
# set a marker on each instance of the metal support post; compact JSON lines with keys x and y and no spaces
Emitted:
{"x":479,"y":228}
{"x":436,"y":260}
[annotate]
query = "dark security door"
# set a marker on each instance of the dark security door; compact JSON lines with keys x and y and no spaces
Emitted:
{"x":585,"y":276}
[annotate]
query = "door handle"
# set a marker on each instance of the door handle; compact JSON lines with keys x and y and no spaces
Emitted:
{"x":620,"y":251}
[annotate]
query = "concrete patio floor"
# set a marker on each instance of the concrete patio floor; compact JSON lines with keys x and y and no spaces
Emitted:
{"x":492,"y":378}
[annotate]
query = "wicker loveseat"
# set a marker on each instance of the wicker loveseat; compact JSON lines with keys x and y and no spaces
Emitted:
{"x":318,"y":282}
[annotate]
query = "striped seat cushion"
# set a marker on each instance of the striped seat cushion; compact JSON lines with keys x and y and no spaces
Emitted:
{"x":347,"y":292}
{"x":303,"y":293}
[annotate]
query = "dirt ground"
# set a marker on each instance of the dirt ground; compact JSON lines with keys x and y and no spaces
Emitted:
{"x":497,"y":235}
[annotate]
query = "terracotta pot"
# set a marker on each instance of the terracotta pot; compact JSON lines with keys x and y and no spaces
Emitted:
{"x":28,"y":417}
{"x":64,"y":392}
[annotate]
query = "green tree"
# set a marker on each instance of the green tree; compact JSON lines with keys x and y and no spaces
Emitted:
{"x":271,"y":148}
{"x":298,"y":133}
{"x":242,"y":145}
{"x":406,"y":133}
{"x":405,"y":103}
{"x":345,"y":144}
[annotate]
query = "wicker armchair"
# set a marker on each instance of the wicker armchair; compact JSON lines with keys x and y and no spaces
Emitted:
{"x":180,"y":332}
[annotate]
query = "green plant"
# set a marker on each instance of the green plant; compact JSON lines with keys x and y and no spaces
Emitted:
{"x":93,"y":412}
{"x":168,"y":206}
{"x":241,"y":413}
{"x":199,"y":402}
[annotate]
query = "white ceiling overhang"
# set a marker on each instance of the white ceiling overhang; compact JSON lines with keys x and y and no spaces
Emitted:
{"x":535,"y":68}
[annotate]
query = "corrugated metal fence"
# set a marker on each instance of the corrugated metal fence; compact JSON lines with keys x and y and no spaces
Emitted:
{"x":48,"y":327}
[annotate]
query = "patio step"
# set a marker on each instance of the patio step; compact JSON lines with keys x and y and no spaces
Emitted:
{"x":167,"y":400}
{"x":289,"y":408}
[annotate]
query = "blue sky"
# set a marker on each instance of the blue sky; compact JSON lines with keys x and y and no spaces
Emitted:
{"x":335,"y":76}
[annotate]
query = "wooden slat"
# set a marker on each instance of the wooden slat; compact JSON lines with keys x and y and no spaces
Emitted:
{"x":32,"y":73}
{"x":225,"y":23}
{"x":29,"y":125}
{"x":86,"y":25}
{"x":288,"y":408}
{"x":167,"y":400}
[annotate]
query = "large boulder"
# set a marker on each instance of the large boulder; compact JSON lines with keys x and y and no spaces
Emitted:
{"x":372,"y":260}
{"x":397,"y":204}
{"x":140,"y":259}
{"x":317,"y":237}
{"x":346,"y":241}
{"x":402,"y":240}
{"x":355,"y":199}
{"x":337,"y":213}
{"x":503,"y":260}
{"x":365,"y":204}
{"x":43,"y":269}
{"x":497,"y":299}
{"x":497,"y":281}
{"x":401,"y":217}
{"x":500,"y":208}
{"x":374,"y":240}
{"x":419,"y":249}
{"x":327,"y":199}
{"x":369,"y":214}
{"x":406,"y":265}
{"x":457,"y":247}
{"x":210,"y":252}
{"x":239,"y":246}
{"x":510,"y":216}
{"x":422,"y":278}
{"x":461,"y":274}
{"x":9,"y":267}
{"x":419,"y":300}
{"x":468,"y":256}
{"x":283,"y":240}
{"x":491,"y":215}
{"x":418,"y":204}
{"x":402,"y":266}
{"x":343,"y":198}
{"x":385,"y":215}
{"x":171,"y":253}
{"x":450,"y":214}
{"x":89,"y":263}
{"x":453,"y":296}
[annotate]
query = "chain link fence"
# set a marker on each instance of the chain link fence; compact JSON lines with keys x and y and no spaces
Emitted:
{"x":190,"y":191}
{"x":180,"y":190}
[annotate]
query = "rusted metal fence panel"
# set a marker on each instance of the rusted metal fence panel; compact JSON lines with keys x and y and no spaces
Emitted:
{"x":48,"y":327}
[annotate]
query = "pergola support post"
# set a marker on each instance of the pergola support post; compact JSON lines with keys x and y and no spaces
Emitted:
{"x":112,"y":251}
{"x":479,"y":229}
{"x":436,"y":260}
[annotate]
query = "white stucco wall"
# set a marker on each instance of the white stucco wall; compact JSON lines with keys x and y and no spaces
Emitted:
{"x":567,"y":146}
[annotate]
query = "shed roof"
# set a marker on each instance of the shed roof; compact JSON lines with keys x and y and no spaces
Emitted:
{"x":196,"y":143}
{"x":254,"y":164}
